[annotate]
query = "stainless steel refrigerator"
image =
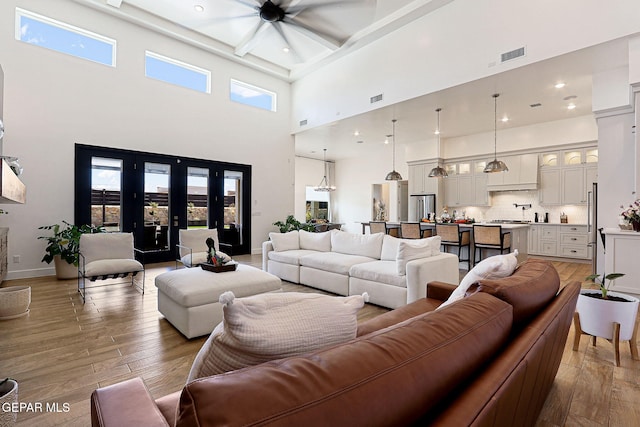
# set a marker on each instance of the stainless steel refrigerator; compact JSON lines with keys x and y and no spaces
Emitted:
{"x":592,"y":226}
{"x":420,"y":205}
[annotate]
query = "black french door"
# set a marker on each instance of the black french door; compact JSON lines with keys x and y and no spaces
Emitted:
{"x":155,"y":195}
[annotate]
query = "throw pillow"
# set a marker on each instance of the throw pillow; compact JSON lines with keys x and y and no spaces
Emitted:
{"x":285,"y":241}
{"x":494,"y":267}
{"x":315,"y":241}
{"x":272,"y":326}
{"x":408,"y":250}
{"x":369,"y":245}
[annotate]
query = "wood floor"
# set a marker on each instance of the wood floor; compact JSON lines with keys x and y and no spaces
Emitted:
{"x":64,"y":349}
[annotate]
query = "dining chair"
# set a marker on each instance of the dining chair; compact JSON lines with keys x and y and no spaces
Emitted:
{"x":377,"y":227}
{"x":452,"y":237}
{"x":489,"y":237}
{"x":410,"y":230}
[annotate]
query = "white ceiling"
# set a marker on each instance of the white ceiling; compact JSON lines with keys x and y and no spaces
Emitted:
{"x":228,"y":26}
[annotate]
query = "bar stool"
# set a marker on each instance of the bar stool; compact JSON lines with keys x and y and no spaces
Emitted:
{"x":377,"y":227}
{"x":489,"y":237}
{"x":452,"y":236}
{"x":410,"y":230}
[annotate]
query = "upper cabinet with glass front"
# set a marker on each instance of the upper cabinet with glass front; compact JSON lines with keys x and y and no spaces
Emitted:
{"x":579,"y":156}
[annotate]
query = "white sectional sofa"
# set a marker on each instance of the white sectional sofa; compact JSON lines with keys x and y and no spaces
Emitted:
{"x":393,"y":271}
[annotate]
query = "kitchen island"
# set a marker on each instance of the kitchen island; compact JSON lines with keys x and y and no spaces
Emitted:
{"x":519,"y":237}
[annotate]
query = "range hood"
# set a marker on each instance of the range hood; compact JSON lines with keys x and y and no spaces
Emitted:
{"x":12,"y":190}
{"x":522,"y":174}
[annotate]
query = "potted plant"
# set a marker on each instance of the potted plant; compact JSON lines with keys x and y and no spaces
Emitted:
{"x":607,"y":314}
{"x":291,"y":224}
{"x":632,"y":215}
{"x":8,"y":397}
{"x":62,"y":246}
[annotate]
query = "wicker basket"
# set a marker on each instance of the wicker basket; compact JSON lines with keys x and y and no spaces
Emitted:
{"x":14,"y":301}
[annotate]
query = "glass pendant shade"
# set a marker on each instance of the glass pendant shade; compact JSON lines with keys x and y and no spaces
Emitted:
{"x":394,"y":175}
{"x":495,"y":165}
{"x":438,"y":171}
{"x":324,"y":183}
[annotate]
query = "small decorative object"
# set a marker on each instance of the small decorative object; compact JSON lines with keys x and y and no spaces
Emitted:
{"x":14,"y":302}
{"x":563,"y":218}
{"x":632,"y":215}
{"x":215,"y":262}
{"x":8,"y":397}
{"x":231,"y":266}
{"x":13,"y":164}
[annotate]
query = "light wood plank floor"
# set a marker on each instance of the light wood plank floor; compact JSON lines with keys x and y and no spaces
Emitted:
{"x":64,"y":349}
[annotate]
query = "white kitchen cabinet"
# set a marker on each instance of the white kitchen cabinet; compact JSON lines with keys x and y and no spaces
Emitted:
{"x":481,"y":195}
{"x":534,"y":239}
{"x":573,"y":241}
{"x":522,"y":174}
{"x":465,"y":188}
{"x":419,"y":181}
{"x":559,"y":240}
{"x":550,"y":186}
{"x":573,"y":186}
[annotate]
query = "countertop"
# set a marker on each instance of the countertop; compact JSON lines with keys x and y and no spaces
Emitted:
{"x":617,"y":231}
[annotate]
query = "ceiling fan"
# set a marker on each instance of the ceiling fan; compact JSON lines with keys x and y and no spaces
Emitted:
{"x":289,"y":13}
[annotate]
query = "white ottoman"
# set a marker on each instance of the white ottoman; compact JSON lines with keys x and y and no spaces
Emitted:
{"x":188,"y":298}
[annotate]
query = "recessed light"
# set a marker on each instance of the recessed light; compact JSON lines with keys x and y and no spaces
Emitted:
{"x":559,"y":85}
{"x":356,"y":133}
{"x":437,"y":132}
{"x":198,"y":8}
{"x":386,"y":140}
{"x":571,"y":106}
{"x":286,"y":49}
{"x":505,"y":119}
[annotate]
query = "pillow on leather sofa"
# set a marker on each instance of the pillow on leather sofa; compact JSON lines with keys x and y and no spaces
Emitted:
{"x":494,"y":267}
{"x":408,"y":250}
{"x":285,"y":241}
{"x":529,"y":289}
{"x":272,"y":326}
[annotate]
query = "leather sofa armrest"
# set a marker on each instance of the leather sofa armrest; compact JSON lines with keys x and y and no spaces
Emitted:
{"x":125,"y":403}
{"x":440,"y":290}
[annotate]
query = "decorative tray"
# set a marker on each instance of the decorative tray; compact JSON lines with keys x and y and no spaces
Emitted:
{"x":219,"y":268}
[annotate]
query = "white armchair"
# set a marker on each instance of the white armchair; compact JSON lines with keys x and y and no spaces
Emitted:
{"x":107,"y":256}
{"x":192,"y":249}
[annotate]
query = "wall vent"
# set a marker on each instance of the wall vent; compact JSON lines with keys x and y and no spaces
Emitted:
{"x":303,"y":122}
{"x":507,"y":56}
{"x":376,"y":98}
{"x":537,"y":104}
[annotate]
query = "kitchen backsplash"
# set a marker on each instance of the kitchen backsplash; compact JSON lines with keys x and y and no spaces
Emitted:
{"x":502,"y":207}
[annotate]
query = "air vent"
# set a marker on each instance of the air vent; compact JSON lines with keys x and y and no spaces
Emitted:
{"x":303,"y":122}
{"x":376,"y":98}
{"x":537,"y":104}
{"x":508,"y":56}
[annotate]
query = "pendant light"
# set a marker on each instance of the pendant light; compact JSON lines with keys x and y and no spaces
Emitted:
{"x":393,"y":175}
{"x":495,"y":165}
{"x":438,"y":171}
{"x":324,"y":184}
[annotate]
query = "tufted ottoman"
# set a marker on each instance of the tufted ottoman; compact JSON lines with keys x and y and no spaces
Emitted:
{"x":188,"y":298}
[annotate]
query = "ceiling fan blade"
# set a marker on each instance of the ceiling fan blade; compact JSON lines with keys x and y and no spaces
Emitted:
{"x":324,"y":39}
{"x":278,"y":28}
{"x":295,"y":9}
{"x":255,"y":4}
{"x":251,"y":39}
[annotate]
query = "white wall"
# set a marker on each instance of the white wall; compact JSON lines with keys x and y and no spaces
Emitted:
{"x":52,"y":101}
{"x":453,"y":45}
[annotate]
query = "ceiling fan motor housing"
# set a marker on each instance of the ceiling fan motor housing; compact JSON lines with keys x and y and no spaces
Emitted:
{"x":270,"y":12}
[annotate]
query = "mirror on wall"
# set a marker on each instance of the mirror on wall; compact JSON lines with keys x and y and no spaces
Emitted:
{"x":317,"y":205}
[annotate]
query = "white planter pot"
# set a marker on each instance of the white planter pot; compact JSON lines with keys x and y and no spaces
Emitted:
{"x":64,"y":270}
{"x":14,"y":302}
{"x":8,"y":396}
{"x":597,"y":315}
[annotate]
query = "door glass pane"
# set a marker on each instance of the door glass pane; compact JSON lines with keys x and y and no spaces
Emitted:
{"x":197,"y":197}
{"x":232,"y":232}
{"x":106,"y":193}
{"x":156,"y":206}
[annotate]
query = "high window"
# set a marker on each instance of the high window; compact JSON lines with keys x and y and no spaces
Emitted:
{"x":176,"y":72}
{"x":55,"y":35}
{"x":254,"y":96}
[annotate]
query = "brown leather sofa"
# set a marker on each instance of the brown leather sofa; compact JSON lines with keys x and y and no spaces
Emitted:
{"x":488,"y":359}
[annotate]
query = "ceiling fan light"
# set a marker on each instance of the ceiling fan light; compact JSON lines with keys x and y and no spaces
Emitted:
{"x":438,"y":172}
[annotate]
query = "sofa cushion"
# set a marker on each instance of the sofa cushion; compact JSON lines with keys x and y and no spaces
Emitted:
{"x":367,"y":245}
{"x":379,"y":271}
{"x":265,"y":327}
{"x":529,"y":289}
{"x":389,"y":248}
{"x":332,"y":261}
{"x":494,"y":267}
{"x":408,"y":250}
{"x":285,"y":241}
{"x":315,"y":241}
{"x":289,"y":257}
